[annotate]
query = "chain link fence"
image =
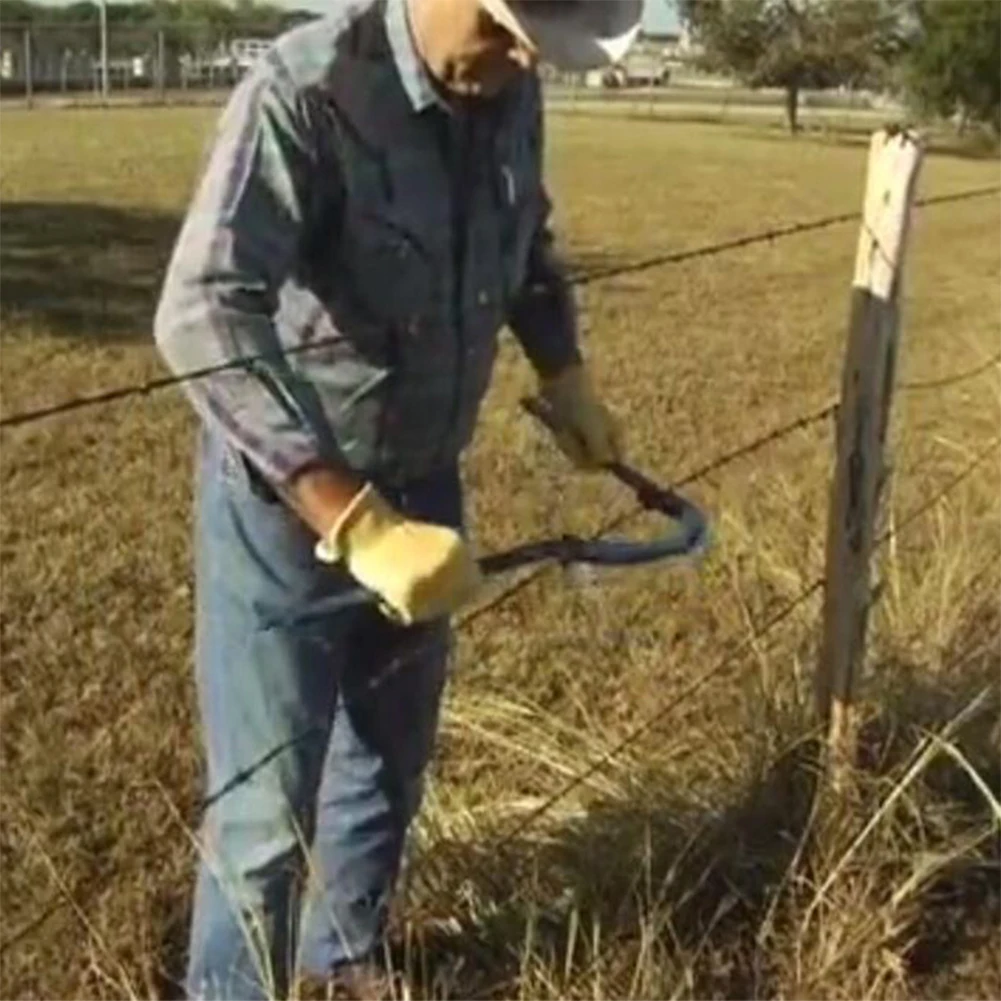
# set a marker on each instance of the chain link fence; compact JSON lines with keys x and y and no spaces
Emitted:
{"x":60,"y":63}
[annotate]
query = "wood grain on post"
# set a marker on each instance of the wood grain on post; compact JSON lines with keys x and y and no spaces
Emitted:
{"x":863,"y":415}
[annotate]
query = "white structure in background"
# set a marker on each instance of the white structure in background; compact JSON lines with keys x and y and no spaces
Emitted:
{"x":648,"y":64}
{"x":244,"y":52}
{"x":225,"y":65}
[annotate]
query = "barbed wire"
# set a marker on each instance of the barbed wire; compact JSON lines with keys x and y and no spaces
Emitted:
{"x":624,"y":517}
{"x":56,"y":903}
{"x":778,"y":233}
{"x":698,"y":683}
{"x":164,"y":382}
{"x":952,"y":380}
{"x":617,"y":521}
{"x":979,"y":459}
{"x":651,"y":722}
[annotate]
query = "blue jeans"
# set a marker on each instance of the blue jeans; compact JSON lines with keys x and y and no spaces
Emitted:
{"x":316,"y":735}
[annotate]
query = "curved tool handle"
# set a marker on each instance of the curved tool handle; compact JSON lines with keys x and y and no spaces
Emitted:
{"x":690,"y":537}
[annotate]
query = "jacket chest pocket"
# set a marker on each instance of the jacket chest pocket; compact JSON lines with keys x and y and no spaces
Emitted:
{"x":521,"y":204}
{"x":390,"y":259}
{"x":387,"y":268}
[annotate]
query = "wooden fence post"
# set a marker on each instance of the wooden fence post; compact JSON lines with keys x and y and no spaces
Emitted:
{"x":866,"y":388}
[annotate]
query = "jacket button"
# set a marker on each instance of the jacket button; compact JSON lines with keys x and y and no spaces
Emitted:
{"x":483,"y":298}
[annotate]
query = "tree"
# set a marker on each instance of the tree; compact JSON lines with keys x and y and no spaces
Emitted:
{"x":795,"y":44}
{"x":953,"y":63}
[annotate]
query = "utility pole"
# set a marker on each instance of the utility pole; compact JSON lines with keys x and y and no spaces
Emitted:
{"x":104,"y":50}
{"x":29,"y":83}
{"x":161,"y":66}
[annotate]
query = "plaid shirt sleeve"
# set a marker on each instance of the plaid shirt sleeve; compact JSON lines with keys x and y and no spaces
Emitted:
{"x":544,"y":317}
{"x":236,"y":248}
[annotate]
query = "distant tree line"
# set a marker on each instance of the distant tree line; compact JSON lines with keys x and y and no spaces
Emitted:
{"x":943,"y":56}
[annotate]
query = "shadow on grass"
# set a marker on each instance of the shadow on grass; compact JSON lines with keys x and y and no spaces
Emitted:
{"x":700,"y":875}
{"x":82,"y":271}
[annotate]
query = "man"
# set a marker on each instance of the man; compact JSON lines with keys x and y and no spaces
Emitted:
{"x":372,"y":214}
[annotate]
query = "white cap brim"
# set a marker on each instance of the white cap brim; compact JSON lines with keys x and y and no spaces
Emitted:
{"x":572,"y":34}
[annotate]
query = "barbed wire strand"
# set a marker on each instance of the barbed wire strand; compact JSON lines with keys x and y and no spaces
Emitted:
{"x":978,"y":460}
{"x":651,"y":722}
{"x":624,"y":517}
{"x":56,"y":904}
{"x":779,"y":232}
{"x":952,"y":380}
{"x":164,"y":382}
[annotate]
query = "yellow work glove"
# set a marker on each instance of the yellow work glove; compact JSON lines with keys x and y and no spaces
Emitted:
{"x":419,"y":571}
{"x":584,"y":429}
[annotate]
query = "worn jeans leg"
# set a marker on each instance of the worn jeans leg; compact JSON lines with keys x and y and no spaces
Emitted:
{"x":271,"y":699}
{"x":383,"y":735}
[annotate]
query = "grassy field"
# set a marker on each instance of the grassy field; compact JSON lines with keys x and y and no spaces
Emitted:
{"x":675,"y":870}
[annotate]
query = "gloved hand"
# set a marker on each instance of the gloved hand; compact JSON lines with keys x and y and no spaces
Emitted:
{"x":584,"y":429}
{"x":420,"y":571}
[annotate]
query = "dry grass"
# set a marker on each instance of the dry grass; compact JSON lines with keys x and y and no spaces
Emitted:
{"x":687,"y":866}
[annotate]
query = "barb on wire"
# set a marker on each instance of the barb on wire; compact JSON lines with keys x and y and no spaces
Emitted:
{"x":164,"y":382}
{"x":952,"y":380}
{"x":743,"y":451}
{"x":912,"y":516}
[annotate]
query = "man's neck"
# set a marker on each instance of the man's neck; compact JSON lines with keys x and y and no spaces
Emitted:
{"x":427,"y":24}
